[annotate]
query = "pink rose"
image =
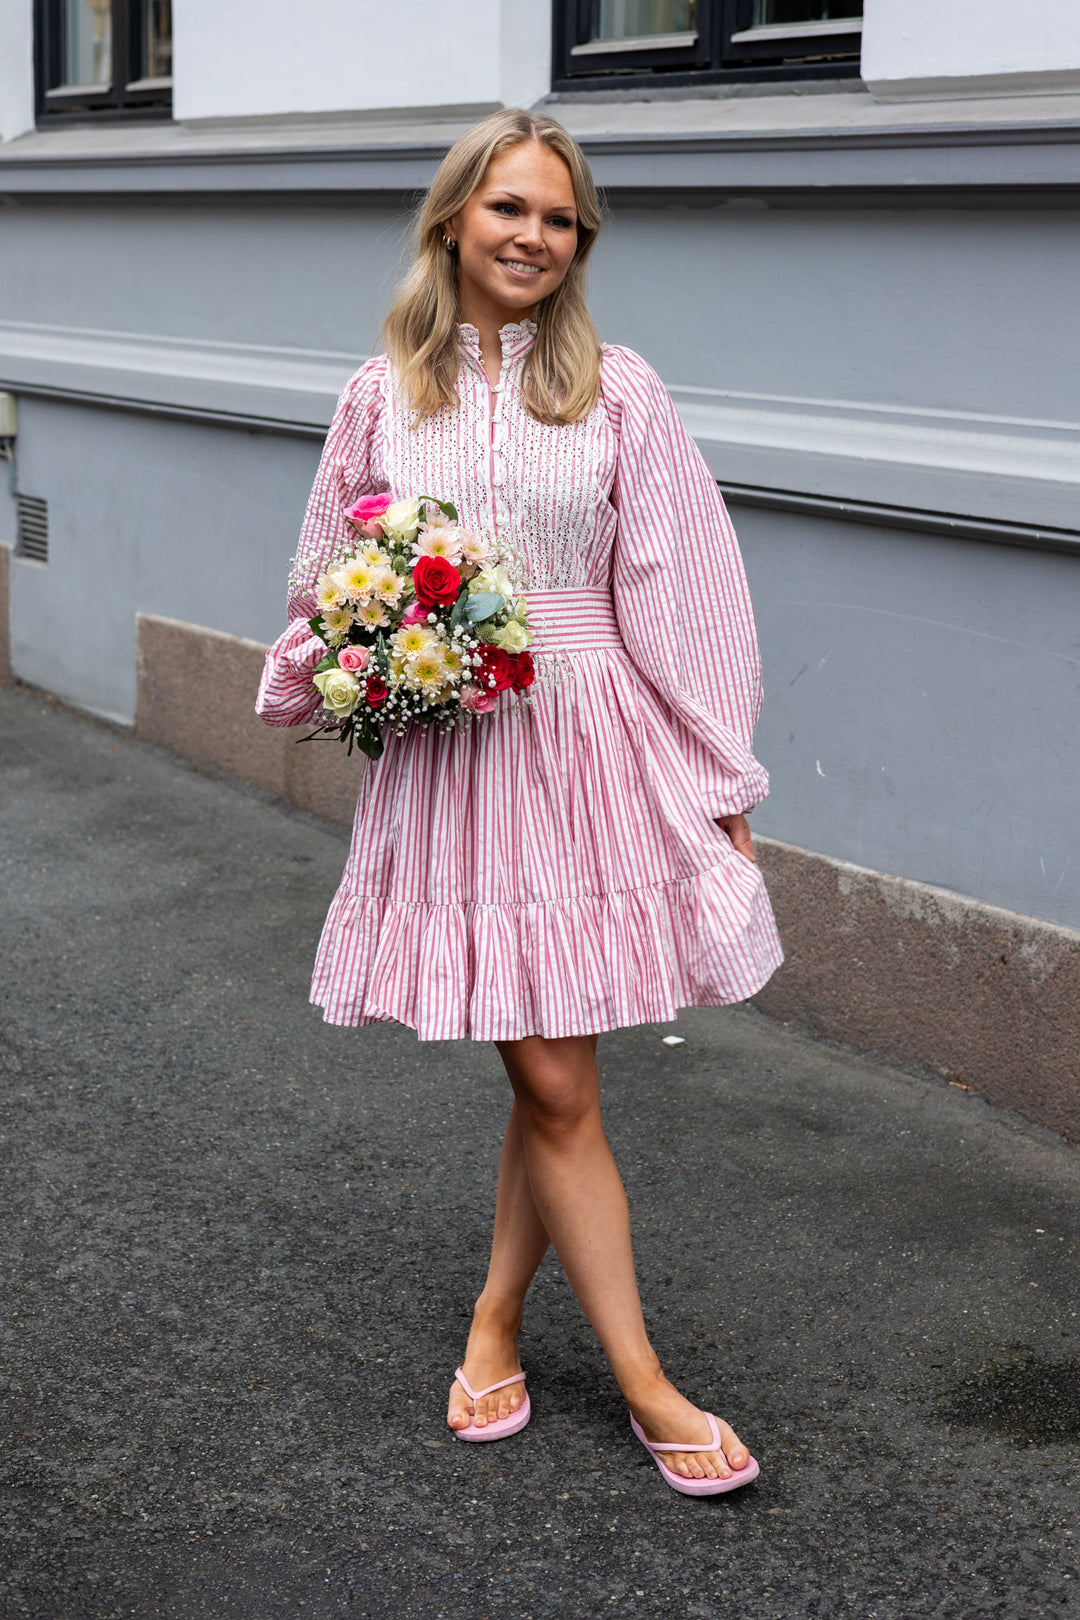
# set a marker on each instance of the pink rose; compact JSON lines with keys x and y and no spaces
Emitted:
{"x":415,"y":613}
{"x":354,"y":659}
{"x":476,"y":700}
{"x":365,"y":514}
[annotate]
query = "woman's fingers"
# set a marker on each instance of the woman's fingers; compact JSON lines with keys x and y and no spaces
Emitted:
{"x":738,"y":830}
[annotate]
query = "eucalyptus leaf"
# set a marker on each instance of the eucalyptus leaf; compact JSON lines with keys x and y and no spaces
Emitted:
{"x":482,"y":606}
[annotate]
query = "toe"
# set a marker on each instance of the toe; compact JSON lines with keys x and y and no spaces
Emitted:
{"x":459,"y":1414}
{"x":734,"y":1450}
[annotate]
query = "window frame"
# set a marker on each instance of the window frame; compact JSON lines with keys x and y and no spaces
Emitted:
{"x":712,"y":59}
{"x":124,"y":98}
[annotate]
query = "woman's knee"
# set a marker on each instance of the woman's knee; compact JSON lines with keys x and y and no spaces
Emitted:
{"x":555,"y":1082}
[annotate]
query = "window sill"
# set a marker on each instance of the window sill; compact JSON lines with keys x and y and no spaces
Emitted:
{"x":759,"y":144}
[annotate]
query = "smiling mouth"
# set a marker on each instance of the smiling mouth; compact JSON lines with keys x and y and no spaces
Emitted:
{"x":520,"y":266}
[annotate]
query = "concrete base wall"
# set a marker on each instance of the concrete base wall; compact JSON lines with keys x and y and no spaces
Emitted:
{"x":986,"y":997}
{"x":5,"y":615}
{"x":196,"y":695}
{"x":983,"y":996}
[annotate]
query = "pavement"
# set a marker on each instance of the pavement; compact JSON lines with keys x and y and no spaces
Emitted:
{"x":240,"y":1247}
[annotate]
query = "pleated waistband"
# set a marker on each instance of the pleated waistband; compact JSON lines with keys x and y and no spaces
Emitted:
{"x":572,"y":621}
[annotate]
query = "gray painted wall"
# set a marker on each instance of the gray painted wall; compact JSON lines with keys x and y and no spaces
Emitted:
{"x":933,"y":681}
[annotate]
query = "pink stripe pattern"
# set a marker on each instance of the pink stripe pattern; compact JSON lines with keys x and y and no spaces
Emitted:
{"x":555,"y":868}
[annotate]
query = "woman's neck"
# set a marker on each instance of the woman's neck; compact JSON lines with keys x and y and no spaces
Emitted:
{"x":489,"y":321}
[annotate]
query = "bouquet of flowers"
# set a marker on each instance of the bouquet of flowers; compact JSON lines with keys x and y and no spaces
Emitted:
{"x":420,"y":621}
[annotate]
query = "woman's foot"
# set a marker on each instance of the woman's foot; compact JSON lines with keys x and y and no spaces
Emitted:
{"x":667,"y":1416}
{"x":490,"y":1356}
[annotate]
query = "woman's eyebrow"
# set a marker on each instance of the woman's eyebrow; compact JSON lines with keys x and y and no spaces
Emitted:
{"x":512,"y":196}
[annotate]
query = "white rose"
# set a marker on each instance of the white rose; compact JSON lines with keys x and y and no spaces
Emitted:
{"x":340,"y":690}
{"x":493,"y":579}
{"x":401,"y":520}
{"x":512,"y":637}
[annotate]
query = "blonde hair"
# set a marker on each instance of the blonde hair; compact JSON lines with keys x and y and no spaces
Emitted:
{"x":561,"y":382}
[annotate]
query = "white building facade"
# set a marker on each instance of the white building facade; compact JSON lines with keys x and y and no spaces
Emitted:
{"x":846,"y":237}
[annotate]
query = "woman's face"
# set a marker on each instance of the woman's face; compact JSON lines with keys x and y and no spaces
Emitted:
{"x":516,"y":236}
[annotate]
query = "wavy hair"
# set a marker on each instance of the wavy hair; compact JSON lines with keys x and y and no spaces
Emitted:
{"x":561,"y":382}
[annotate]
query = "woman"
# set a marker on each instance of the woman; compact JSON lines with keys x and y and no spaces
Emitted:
{"x":584,"y":863}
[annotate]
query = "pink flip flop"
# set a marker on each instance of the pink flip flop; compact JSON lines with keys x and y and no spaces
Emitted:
{"x":695,"y":1487}
{"x":502,"y":1427}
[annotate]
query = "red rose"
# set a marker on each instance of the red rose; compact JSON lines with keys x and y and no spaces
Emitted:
{"x":436,"y":581}
{"x":496,"y":671}
{"x":522,"y":673}
{"x":376,"y":690}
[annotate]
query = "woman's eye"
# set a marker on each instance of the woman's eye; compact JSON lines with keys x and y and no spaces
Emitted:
{"x":561,"y":221}
{"x":505,"y":208}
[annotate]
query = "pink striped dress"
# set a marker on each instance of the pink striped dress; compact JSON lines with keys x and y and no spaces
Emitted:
{"x":555,"y":869}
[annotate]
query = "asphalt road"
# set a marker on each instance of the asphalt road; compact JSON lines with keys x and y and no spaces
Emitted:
{"x":240,"y":1248}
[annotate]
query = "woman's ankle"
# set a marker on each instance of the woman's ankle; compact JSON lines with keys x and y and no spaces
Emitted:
{"x":642,"y":1381}
{"x":500,"y":1317}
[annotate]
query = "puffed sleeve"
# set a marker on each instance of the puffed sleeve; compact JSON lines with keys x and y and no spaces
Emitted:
{"x":680,"y":590}
{"x":286,"y":695}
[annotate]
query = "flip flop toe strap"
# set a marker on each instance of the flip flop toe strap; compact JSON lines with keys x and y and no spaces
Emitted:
{"x":504,"y":1383}
{"x":672,"y":1445}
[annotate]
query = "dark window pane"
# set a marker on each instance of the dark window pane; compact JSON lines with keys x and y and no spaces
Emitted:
{"x":637,"y":19}
{"x":768,"y":13}
{"x":156,"y":39}
{"x":85,"y":43}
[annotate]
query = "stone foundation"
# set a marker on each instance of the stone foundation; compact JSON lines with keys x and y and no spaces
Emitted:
{"x":985,"y":997}
{"x":196,"y":695}
{"x":5,"y":615}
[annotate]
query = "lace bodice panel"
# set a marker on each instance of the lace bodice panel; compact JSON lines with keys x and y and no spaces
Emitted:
{"x":542,"y":489}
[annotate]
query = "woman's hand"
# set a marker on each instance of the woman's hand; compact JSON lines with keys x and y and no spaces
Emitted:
{"x":738,"y":830}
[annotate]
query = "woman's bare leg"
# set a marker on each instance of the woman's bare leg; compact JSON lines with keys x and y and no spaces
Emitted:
{"x":517,"y":1248}
{"x":579,"y":1202}
{"x":519,"y":1244}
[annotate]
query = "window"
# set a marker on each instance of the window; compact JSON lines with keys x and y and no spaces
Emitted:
{"x":104,"y":58}
{"x":612,"y":44}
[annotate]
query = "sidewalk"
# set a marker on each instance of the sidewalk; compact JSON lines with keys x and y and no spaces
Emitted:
{"x":240,"y":1248}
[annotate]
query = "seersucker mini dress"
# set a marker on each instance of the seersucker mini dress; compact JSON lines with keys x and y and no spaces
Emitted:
{"x":554,"y":869}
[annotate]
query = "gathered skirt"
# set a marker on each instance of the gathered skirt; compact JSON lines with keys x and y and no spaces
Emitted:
{"x":548,"y":870}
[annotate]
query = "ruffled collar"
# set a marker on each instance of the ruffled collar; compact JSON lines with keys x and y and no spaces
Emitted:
{"x":517,"y":338}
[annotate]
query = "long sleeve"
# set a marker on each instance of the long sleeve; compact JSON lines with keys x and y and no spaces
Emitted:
{"x":680,"y":590}
{"x":286,"y":695}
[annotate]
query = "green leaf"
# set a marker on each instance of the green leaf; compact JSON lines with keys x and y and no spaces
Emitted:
{"x":315,"y":626}
{"x":457,"y":612}
{"x":368,"y":739}
{"x":329,"y":661}
{"x":444,"y":507}
{"x":482,"y":606}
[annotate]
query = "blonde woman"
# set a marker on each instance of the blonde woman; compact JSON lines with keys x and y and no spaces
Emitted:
{"x":584,"y":864}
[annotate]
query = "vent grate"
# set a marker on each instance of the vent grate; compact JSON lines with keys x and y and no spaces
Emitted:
{"x":32,"y":528}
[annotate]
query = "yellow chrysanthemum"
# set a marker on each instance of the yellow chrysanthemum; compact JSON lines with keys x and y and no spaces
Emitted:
{"x":327,"y":594}
{"x":355,"y":578}
{"x":452,"y":663}
{"x":373,"y":554}
{"x":411,"y":640}
{"x":336,"y":621}
{"x":427,"y":671}
{"x":389,"y":586}
{"x":372,"y":614}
